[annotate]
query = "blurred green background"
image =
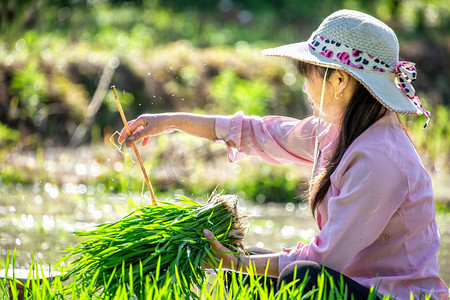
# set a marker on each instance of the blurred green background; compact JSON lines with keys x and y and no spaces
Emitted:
{"x":58,"y":168}
{"x":58,"y":60}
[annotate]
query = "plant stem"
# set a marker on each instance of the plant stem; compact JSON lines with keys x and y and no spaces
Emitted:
{"x":125,"y":123}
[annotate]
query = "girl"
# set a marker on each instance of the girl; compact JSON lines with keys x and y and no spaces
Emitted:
{"x":370,"y":194}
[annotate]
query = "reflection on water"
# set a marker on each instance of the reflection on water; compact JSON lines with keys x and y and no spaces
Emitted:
{"x":39,"y":221}
{"x":42,"y":219}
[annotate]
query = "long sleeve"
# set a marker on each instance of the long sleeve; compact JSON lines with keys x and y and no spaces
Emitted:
{"x":276,"y":139}
{"x":370,"y":191}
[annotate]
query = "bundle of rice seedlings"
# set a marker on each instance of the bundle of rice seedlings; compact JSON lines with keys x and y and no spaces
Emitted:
{"x":155,"y":239}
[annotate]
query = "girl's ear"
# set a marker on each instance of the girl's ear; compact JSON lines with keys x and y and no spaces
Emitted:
{"x":343,"y":82}
{"x":341,"y":78}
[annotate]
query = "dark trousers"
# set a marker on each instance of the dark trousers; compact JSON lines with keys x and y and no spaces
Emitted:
{"x":300,"y":269}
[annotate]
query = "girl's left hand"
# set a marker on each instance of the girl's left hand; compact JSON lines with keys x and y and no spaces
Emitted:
{"x":219,"y":251}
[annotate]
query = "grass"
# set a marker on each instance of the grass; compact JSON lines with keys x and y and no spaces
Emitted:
{"x":177,"y":58}
{"x":154,"y":287}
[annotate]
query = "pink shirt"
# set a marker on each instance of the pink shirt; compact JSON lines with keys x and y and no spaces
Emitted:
{"x":377,"y":220}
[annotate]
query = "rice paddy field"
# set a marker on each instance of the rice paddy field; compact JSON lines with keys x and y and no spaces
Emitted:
{"x":60,"y":172}
{"x":39,"y":220}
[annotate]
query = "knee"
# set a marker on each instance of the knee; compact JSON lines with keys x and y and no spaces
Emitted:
{"x":299,"y":270}
{"x":257,"y":250}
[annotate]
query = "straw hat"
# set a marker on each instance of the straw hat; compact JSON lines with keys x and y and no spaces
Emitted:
{"x":366,"y":48}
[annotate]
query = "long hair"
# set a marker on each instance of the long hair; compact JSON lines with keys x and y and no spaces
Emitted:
{"x":361,"y":112}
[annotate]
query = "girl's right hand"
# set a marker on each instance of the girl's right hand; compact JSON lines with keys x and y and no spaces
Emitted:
{"x":149,"y":125}
{"x":229,"y":260}
{"x":145,"y":126}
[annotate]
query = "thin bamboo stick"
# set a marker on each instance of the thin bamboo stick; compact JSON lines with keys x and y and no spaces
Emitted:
{"x":134,"y":145}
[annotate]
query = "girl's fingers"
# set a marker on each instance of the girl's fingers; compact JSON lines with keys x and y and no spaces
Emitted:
{"x":215,"y":244}
{"x":123,"y":133}
{"x":209,"y":235}
{"x":145,"y":141}
{"x":141,"y":133}
{"x":142,"y":128}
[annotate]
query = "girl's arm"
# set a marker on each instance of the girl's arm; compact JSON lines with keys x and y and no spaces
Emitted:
{"x":276,"y":139}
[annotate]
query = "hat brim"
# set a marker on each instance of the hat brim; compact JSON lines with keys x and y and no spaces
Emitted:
{"x":380,"y":84}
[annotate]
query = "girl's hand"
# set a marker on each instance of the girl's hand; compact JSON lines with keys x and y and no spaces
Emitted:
{"x":146,"y":126}
{"x":149,"y":125}
{"x":219,"y":251}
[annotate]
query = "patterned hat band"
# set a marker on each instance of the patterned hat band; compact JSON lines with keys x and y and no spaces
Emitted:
{"x":405,"y":71}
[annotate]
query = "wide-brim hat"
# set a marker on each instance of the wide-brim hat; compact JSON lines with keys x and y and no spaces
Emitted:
{"x":366,"y":48}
